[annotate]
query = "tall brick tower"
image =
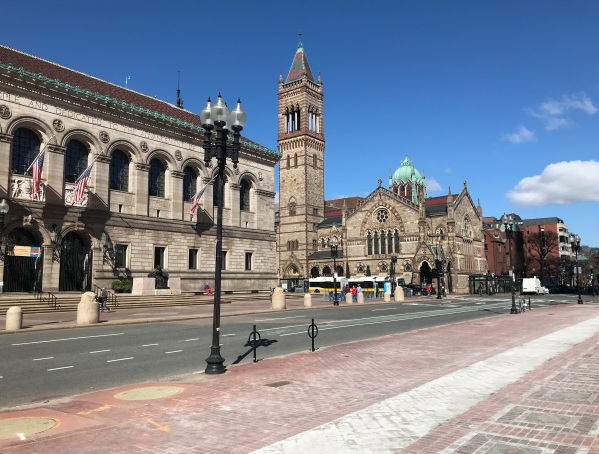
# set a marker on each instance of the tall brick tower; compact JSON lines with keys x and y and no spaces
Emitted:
{"x":301,"y":171}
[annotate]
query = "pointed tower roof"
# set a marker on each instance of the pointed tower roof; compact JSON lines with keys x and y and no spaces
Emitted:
{"x":300,"y":65}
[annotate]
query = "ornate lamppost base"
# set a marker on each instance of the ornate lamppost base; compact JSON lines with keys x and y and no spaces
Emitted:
{"x":215,"y":364}
{"x":514,"y":309}
{"x":580,"y":300}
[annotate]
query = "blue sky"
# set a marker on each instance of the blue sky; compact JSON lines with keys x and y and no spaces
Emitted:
{"x":502,"y":94}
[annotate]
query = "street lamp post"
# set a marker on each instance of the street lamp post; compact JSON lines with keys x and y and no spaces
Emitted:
{"x":217,"y":117}
{"x":439,"y":266}
{"x":334,"y":252}
{"x":509,"y":231}
{"x":575,"y":243}
{"x":393,"y":262}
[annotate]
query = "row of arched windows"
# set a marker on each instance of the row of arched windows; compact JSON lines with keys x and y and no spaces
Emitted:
{"x":26,"y":146}
{"x":384,"y":242}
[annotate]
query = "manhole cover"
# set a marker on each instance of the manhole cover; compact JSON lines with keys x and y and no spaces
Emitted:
{"x":153,"y":392}
{"x":22,"y":427}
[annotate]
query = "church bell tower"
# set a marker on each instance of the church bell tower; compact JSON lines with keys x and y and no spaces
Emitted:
{"x":301,"y":169}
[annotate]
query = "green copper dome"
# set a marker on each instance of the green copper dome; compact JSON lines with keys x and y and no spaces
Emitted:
{"x":405,"y":173}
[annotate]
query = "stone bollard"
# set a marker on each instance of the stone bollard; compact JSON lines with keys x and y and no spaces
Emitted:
{"x":307,"y":300}
{"x":360,"y":297}
{"x":278,"y":299}
{"x":399,"y":296}
{"x":14,"y":318}
{"x":349,"y":299}
{"x":387,"y":297}
{"x":88,"y":309}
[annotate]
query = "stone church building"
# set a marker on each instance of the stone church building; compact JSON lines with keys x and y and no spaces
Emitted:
{"x":395,"y":226}
{"x":135,"y":212}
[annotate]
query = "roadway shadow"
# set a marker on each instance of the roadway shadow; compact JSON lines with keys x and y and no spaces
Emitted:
{"x":260,"y":343}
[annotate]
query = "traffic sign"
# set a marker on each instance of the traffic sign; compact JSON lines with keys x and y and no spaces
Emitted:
{"x":583,"y":257}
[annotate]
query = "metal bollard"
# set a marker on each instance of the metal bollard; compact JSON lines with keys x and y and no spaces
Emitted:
{"x":254,"y":340}
{"x":529,"y":303}
{"x":313,"y":332}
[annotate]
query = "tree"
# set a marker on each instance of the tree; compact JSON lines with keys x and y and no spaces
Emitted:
{"x":538,"y":247}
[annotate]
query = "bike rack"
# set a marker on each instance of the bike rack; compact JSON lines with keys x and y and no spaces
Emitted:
{"x":313,"y":332}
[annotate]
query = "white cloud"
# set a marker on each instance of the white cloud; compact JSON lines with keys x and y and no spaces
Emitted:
{"x":552,"y":111}
{"x":432,"y":185}
{"x":522,"y":135}
{"x":560,"y":183}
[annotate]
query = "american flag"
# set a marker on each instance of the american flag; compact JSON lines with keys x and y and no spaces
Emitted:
{"x":82,"y":184}
{"x":198,"y":196}
{"x":38,"y":165}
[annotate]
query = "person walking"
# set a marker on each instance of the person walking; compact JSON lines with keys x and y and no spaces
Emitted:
{"x":353,"y":293}
{"x":103,"y":300}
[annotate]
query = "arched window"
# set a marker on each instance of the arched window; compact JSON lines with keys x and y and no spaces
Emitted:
{"x":295,"y":160}
{"x":376,"y":243}
{"x":119,"y":171}
{"x":314,"y":160}
{"x":190,"y":181}
{"x":288,"y":161}
{"x":396,"y":250}
{"x":156,"y":182}
{"x":292,"y":209}
{"x":244,"y":196}
{"x":383,"y":237}
{"x":75,"y":160}
{"x":369,"y":243}
{"x":25,"y":147}
{"x":389,"y":243}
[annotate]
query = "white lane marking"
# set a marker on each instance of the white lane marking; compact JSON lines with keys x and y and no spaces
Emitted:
{"x":41,"y":359}
{"x":1,"y":376}
{"x":229,"y":335}
{"x":395,"y":423}
{"x":59,"y":368}
{"x":68,"y":339}
{"x":190,"y":340}
{"x":174,"y":351}
{"x":98,"y":351}
{"x":279,"y":318}
{"x":386,"y":309}
{"x":149,"y":345}
{"x":120,"y":359}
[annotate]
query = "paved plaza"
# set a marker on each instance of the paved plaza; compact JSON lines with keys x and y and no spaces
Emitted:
{"x":526,"y":383}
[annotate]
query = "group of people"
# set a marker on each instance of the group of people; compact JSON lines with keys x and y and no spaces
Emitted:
{"x":353,"y":290}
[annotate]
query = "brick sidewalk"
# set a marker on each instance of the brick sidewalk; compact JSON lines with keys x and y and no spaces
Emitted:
{"x":551,"y":408}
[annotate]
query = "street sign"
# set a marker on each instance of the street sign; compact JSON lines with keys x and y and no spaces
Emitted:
{"x":583,"y":257}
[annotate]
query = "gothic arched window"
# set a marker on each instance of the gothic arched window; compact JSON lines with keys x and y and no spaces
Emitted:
{"x":190,"y":181}
{"x":292,"y":209}
{"x":119,"y":171}
{"x":25,"y":147}
{"x":383,"y":237}
{"x":295,"y":160}
{"x":288,"y":161}
{"x":389,"y":243}
{"x":376,"y":243}
{"x":396,"y":235}
{"x":75,"y":160}
{"x":157,"y":182}
{"x":369,"y":243}
{"x":244,"y":196}
{"x":314,"y":160}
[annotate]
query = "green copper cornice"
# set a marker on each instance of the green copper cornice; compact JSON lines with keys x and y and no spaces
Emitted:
{"x":126,"y":105}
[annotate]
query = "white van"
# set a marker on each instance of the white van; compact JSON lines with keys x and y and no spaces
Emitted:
{"x":533,"y":285}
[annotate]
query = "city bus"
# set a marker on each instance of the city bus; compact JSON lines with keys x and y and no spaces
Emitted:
{"x":367,"y":283}
{"x":325,"y":284}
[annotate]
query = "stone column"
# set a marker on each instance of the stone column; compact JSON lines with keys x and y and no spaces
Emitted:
{"x":51,"y":275}
{"x":141,"y":178}
{"x":53,"y":173}
{"x":176,"y":194}
{"x":5,"y":142}
{"x":100,"y":198}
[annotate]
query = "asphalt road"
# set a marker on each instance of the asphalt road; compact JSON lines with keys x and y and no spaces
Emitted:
{"x":41,"y":366}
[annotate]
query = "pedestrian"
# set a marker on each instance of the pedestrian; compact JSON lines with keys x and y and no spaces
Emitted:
{"x":103,"y":299}
{"x":353,"y":293}
{"x":359,"y":289}
{"x":428,"y":289}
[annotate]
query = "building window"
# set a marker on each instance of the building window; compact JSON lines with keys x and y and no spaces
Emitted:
{"x":223,"y":265}
{"x":376,"y":243}
{"x":75,"y":161}
{"x":383,"y":236}
{"x":159,"y":256}
{"x":314,"y":160}
{"x":396,"y":245}
{"x":292,"y":209}
{"x":315,"y":211}
{"x":288,"y":161}
{"x":156,"y":182}
{"x":315,"y":244}
{"x":120,"y":256}
{"x":369,"y":243}
{"x":248,"y":261}
{"x":389,"y":243}
{"x":244,"y":196}
{"x":119,"y":171}
{"x":192,"y":259}
{"x":25,"y":147}
{"x":190,"y":179}
{"x":295,"y":160}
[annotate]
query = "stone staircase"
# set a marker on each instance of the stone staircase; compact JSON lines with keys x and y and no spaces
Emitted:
{"x":68,"y":301}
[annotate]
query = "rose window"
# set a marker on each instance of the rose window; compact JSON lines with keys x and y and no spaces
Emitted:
{"x":382,"y":216}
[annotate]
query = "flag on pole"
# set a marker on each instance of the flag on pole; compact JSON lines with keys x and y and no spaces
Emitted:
{"x":82,"y":184}
{"x":38,"y":165}
{"x":198,"y":196}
